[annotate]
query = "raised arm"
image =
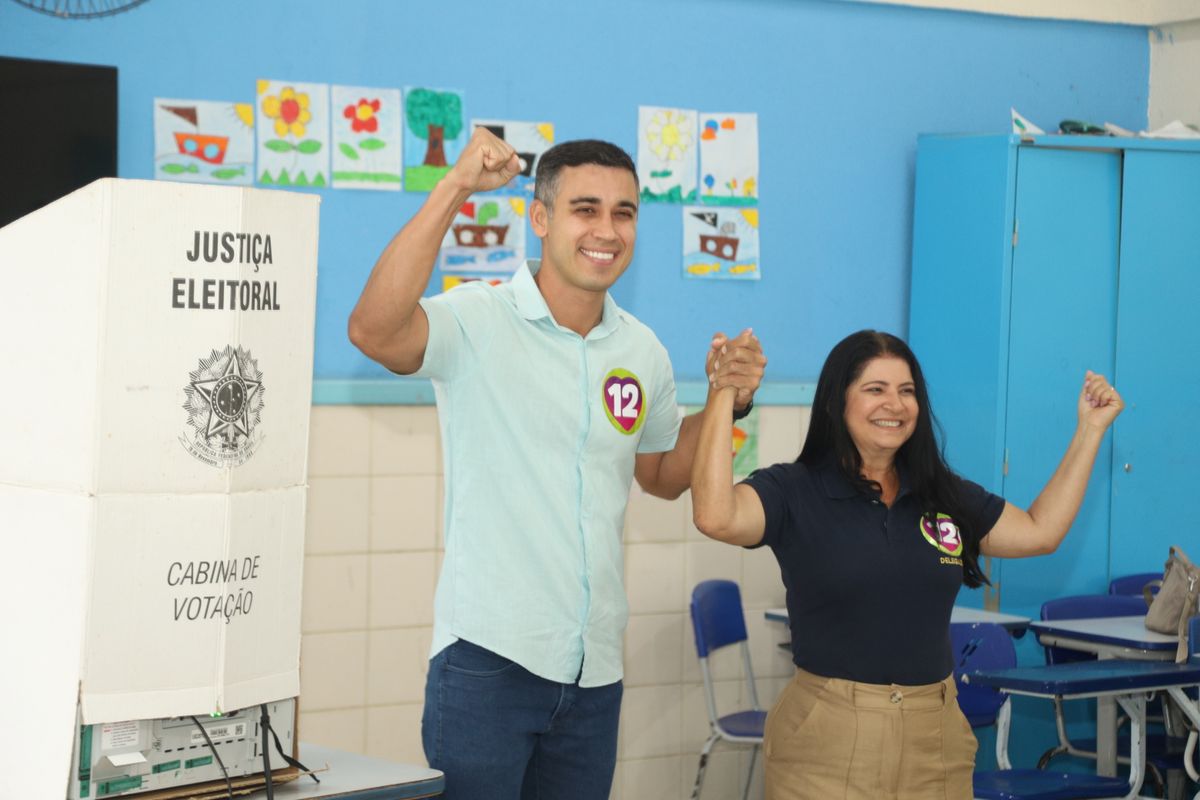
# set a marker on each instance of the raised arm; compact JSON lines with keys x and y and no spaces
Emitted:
{"x":669,"y":474}
{"x":721,"y":510}
{"x":1041,"y":528}
{"x":387,"y":324}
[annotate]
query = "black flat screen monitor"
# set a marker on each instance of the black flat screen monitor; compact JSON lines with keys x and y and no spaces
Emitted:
{"x":60,"y":131}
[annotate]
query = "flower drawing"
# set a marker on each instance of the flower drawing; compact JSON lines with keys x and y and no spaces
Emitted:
{"x":362,"y":116}
{"x":289,"y":110}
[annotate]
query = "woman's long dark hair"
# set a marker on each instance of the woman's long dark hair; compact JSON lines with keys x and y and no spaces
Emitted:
{"x":933,"y":482}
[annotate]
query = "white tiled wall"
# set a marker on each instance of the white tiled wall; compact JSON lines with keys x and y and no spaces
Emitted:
{"x":372,"y":554}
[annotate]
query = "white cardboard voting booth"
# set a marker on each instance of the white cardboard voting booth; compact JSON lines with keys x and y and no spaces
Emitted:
{"x":154,"y":413}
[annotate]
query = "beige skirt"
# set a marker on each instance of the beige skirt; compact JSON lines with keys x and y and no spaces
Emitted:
{"x":833,"y":739}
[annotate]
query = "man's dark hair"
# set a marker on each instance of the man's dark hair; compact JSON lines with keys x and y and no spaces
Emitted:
{"x":576,"y":153}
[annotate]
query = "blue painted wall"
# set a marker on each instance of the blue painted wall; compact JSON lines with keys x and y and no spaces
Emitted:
{"x":841,"y":89}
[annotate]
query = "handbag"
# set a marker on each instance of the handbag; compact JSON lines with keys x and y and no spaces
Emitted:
{"x":1176,"y":601}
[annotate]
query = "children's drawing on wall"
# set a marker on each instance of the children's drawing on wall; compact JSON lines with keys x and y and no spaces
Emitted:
{"x":450,"y":281}
{"x":744,"y":444}
{"x":367,"y":133}
{"x":720,"y":244}
{"x":529,"y":139}
{"x":203,"y":141}
{"x":293,"y":133}
{"x":487,"y":235}
{"x":666,"y":161}
{"x":434,"y":135}
{"x":729,"y":159}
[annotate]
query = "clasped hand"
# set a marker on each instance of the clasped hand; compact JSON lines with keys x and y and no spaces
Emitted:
{"x":738,"y":363}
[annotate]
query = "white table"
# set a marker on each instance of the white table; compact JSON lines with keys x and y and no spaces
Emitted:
{"x":1107,"y":637}
{"x":354,"y":777}
{"x":1014,"y":623}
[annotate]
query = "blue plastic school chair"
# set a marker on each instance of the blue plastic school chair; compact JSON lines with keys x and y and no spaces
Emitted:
{"x":982,"y":645}
{"x":1133,"y":584}
{"x":1090,"y":606}
{"x":974,"y":645}
{"x":718,"y":621}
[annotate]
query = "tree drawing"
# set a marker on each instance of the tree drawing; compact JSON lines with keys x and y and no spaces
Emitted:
{"x":434,"y":117}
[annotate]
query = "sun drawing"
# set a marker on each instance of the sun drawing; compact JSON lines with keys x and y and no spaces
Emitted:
{"x":669,"y":134}
{"x":244,"y":112}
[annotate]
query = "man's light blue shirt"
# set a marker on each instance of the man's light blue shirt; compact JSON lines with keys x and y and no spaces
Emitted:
{"x":540,"y":427}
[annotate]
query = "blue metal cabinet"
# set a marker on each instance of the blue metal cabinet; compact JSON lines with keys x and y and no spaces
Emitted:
{"x":1033,"y":260}
{"x":1156,"y":447}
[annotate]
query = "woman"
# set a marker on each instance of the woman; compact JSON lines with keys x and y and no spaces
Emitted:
{"x":874,"y":534}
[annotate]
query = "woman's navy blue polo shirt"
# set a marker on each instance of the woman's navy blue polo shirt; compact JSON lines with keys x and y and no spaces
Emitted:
{"x":869,"y":587}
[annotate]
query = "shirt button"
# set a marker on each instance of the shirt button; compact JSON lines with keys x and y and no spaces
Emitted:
{"x":896,"y":697}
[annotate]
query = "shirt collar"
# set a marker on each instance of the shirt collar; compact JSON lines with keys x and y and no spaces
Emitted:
{"x":834,"y":482}
{"x":532,"y":304}
{"x":838,"y":488}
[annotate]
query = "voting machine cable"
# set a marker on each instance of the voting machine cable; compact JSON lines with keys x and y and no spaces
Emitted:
{"x":220,"y":763}
{"x":266,"y":748}
{"x":292,"y":762}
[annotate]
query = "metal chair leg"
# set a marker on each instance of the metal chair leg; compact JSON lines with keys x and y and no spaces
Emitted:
{"x":750,"y":772}
{"x":1156,"y":777}
{"x":1044,"y":761}
{"x":704,"y":751}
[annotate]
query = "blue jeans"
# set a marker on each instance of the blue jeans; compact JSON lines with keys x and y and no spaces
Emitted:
{"x":499,"y":732}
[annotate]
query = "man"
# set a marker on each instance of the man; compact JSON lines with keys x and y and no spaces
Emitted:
{"x":551,"y":400}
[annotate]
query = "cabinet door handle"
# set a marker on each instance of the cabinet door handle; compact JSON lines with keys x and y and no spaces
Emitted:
{"x":1128,"y":467}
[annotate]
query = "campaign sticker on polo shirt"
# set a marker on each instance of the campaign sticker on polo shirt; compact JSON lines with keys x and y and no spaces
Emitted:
{"x":944,"y":535}
{"x":624,"y":401}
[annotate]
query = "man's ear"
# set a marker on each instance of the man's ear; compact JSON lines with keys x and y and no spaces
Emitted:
{"x":539,"y":218}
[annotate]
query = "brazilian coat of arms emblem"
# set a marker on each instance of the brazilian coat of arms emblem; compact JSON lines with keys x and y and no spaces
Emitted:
{"x":224,"y":407}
